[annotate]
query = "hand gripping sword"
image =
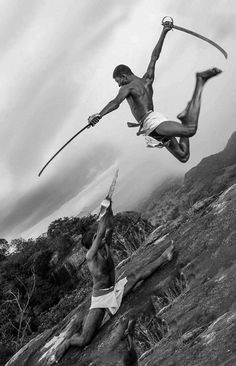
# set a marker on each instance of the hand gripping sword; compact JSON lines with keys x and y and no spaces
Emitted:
{"x":107,"y":201}
{"x":170,"y":22}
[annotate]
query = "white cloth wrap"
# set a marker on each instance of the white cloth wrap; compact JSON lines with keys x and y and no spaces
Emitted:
{"x":151,"y":122}
{"x":111,"y":300}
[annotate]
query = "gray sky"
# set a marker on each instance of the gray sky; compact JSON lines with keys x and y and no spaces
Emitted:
{"x":56,"y":65}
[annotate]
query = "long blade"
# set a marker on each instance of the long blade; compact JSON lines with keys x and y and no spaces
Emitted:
{"x":107,"y":201}
{"x":201,"y":37}
{"x":72,"y":138}
{"x":113,"y":184}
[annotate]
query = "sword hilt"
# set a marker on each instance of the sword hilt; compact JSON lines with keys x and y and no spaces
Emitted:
{"x":169,"y":21}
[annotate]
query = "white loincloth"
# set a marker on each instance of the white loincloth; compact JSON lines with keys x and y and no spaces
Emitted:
{"x":111,"y":300}
{"x":151,"y":122}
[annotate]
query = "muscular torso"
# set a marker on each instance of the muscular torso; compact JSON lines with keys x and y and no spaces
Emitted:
{"x":102,"y":268}
{"x":140,"y":97}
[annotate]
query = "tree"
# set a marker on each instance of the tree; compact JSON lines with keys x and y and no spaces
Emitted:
{"x":4,"y":248}
{"x":18,"y":304}
{"x":18,"y":244}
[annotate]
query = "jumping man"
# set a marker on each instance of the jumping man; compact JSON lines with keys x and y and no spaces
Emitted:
{"x":155,"y":126}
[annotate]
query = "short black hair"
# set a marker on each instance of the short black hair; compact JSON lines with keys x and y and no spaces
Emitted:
{"x":121,"y":70}
{"x":88,"y":236}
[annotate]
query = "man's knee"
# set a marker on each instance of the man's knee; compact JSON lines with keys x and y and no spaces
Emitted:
{"x":192,"y":129}
{"x":81,"y":340}
{"x":192,"y":132}
{"x":184,"y":159}
{"x":85,"y":339}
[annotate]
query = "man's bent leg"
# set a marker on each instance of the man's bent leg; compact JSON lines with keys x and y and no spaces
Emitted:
{"x":180,"y":149}
{"x":92,"y":323}
{"x":151,"y":267}
{"x":171,"y":129}
{"x":190,"y":118}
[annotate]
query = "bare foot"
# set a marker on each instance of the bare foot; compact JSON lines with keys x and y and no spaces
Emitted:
{"x":62,"y":350}
{"x":51,"y":361}
{"x":168,"y":253}
{"x":205,"y":75}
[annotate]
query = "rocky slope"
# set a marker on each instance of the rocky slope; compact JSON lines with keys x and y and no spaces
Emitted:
{"x":186,"y":310}
{"x":176,"y":195}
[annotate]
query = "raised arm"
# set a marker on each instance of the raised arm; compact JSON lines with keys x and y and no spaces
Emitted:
{"x":110,"y":227}
{"x":150,"y":73}
{"x":105,"y":229}
{"x":98,"y":239}
{"x":111,"y":106}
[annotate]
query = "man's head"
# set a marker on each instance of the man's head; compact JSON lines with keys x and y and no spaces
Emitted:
{"x":122,"y":74}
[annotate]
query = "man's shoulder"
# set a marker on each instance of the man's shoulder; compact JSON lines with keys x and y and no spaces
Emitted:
{"x":141,"y":82}
{"x":138,"y":80}
{"x":124,"y":91}
{"x":136,"y":84}
{"x":146,"y":79}
{"x":126,"y":87}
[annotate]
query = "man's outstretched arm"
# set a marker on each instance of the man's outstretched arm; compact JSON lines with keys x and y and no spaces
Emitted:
{"x":105,"y":228}
{"x":98,"y":239}
{"x":109,"y":226}
{"x":150,"y":73}
{"x":111,"y":106}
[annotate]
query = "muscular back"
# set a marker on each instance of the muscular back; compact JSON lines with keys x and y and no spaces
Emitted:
{"x":102,"y":268}
{"x":140,"y":97}
{"x":99,"y":259}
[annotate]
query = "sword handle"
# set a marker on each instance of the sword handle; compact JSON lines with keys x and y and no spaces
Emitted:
{"x":169,"y":21}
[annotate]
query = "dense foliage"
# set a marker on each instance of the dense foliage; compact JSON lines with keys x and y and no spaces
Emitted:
{"x":43,"y":279}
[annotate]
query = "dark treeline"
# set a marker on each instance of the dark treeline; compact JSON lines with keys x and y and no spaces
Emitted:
{"x":43,"y":279}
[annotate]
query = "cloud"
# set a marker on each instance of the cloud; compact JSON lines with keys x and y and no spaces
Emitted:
{"x":46,"y":197}
{"x":55,"y":70}
{"x":216,"y":19}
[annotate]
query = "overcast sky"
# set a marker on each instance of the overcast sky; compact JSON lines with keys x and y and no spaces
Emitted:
{"x":56,"y":64}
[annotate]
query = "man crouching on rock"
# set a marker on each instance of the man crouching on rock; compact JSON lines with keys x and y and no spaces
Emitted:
{"x":106,"y":294}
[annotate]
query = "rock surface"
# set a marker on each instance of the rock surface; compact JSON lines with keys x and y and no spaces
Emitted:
{"x":186,"y":310}
{"x":177,"y":195}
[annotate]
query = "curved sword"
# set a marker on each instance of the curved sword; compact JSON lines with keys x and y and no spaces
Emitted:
{"x":171,"y":22}
{"x":72,"y":138}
